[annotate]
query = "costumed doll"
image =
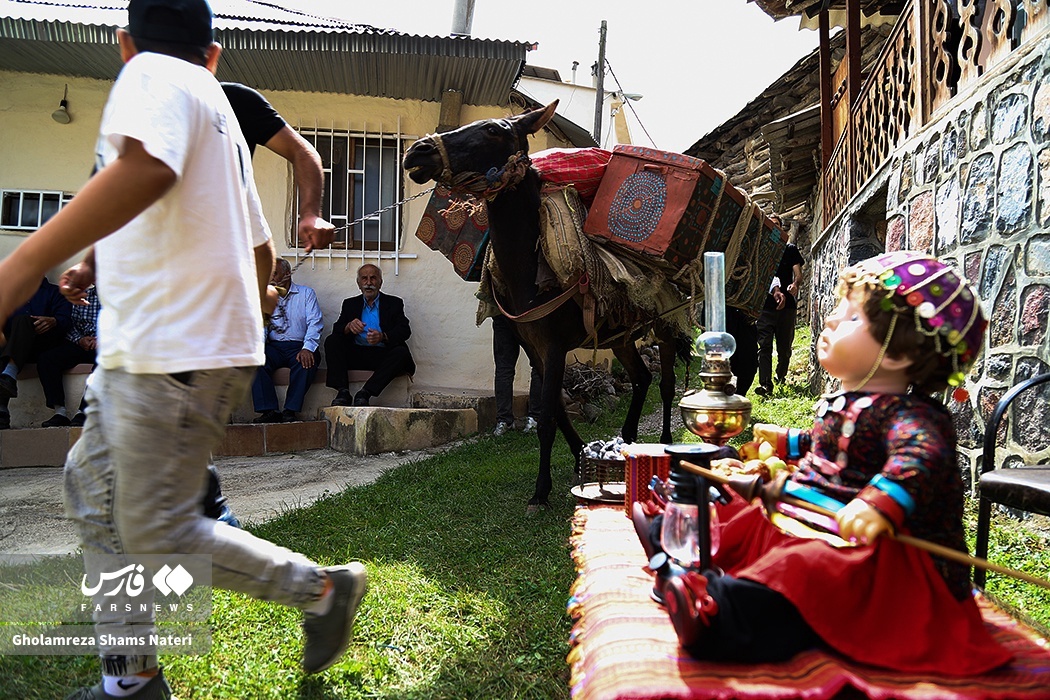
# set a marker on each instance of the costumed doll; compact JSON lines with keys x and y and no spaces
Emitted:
{"x":883,"y":452}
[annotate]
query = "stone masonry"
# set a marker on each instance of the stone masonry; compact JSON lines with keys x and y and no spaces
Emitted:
{"x":972,"y":188}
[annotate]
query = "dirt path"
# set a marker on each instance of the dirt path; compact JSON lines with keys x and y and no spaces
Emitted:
{"x":259,"y":488}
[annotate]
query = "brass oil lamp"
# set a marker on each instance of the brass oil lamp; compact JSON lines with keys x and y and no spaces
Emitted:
{"x":715,"y":413}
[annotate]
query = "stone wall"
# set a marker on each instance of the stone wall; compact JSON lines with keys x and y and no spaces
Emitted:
{"x":972,"y":188}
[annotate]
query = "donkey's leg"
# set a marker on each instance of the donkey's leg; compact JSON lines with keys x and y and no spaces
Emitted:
{"x":640,"y":378}
{"x":571,"y":436}
{"x":667,"y":382}
{"x":553,"y":371}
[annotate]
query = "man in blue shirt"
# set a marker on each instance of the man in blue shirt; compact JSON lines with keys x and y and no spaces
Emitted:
{"x":39,"y":325}
{"x":80,"y":347}
{"x":292,"y":339}
{"x":370,"y":334}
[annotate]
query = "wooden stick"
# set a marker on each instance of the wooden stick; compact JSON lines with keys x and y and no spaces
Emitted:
{"x":931,"y":547}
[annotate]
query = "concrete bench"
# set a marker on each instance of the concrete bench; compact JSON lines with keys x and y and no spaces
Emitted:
{"x":398,"y":394}
{"x":29,"y":410}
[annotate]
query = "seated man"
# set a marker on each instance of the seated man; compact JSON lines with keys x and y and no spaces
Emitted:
{"x":370,"y":334}
{"x":292,"y":339}
{"x":79,"y":347}
{"x":38,"y":325}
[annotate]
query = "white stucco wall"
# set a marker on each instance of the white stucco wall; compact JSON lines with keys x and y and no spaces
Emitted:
{"x":450,"y":350}
{"x":576,"y":103}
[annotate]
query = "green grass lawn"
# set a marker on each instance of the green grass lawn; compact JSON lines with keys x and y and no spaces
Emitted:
{"x":467,"y":592}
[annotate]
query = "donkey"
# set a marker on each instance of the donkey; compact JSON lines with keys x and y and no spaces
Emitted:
{"x":489,"y":159}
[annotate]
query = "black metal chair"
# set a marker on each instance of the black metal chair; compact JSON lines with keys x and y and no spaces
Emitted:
{"x":1025,"y":488}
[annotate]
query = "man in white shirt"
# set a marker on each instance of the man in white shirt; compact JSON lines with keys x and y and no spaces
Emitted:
{"x":174,"y":192}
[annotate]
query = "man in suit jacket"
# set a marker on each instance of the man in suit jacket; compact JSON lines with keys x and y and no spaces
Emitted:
{"x":369,"y":335}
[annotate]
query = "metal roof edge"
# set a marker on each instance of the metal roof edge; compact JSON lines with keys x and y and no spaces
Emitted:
{"x":316,"y":38}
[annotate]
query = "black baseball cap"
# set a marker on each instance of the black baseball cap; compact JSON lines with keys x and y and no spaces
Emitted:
{"x":175,"y":21}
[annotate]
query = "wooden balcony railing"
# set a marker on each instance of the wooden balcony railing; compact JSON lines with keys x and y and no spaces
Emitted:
{"x":937,"y":49}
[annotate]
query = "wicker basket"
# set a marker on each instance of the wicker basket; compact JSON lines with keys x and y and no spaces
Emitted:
{"x":601,"y":480}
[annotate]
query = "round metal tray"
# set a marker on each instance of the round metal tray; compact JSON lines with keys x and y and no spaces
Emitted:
{"x":594,"y":492}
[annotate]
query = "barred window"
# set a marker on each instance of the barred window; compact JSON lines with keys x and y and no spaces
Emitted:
{"x":362,"y":175}
{"x":28,"y":210}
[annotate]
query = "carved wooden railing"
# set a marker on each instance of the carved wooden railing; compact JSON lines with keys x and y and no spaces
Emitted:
{"x":936,"y":51}
{"x":888,"y":103}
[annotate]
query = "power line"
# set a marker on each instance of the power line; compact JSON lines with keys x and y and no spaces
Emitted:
{"x":628,"y":103}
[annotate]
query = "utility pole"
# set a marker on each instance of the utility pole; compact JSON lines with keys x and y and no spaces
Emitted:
{"x":462,"y":17}
{"x":599,"y":100}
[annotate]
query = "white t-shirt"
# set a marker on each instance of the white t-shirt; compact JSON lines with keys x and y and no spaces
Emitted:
{"x":177,"y":284}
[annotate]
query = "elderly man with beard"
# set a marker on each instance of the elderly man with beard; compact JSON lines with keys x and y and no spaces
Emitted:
{"x":370,"y":334}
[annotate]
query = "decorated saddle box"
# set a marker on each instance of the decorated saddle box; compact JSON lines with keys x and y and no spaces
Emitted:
{"x":656,"y":202}
{"x":756,"y":261}
{"x":673,"y":208}
{"x":459,"y":233}
{"x":753,"y":245}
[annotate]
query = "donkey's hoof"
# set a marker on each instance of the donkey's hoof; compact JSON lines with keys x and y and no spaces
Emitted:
{"x":537,"y":506}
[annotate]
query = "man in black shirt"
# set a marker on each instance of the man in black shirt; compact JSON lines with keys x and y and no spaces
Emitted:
{"x":262,"y":124}
{"x":777,"y":322}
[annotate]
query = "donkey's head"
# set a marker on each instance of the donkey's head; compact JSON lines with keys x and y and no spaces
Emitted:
{"x":472,"y":152}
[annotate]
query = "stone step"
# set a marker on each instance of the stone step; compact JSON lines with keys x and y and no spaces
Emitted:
{"x":47,"y":447}
{"x":435,"y":416}
{"x":367,"y":430}
{"x":253,"y":440}
{"x":36,"y":447}
{"x":481,"y":402}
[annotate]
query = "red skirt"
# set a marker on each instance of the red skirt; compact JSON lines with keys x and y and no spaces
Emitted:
{"x":884,"y":605}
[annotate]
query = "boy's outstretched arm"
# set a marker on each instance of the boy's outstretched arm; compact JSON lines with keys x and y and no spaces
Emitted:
{"x":113,"y":197}
{"x":264,"y":257}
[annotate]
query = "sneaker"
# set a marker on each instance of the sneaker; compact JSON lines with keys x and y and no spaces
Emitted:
{"x":328,"y":635}
{"x":361,"y":398}
{"x":270,"y":416}
{"x":79,"y":419}
{"x":530,"y":425}
{"x":8,"y":386}
{"x":56,"y":421}
{"x":226,"y":516}
{"x":342,"y":398}
{"x":156,"y":689}
{"x":289,"y":416}
{"x":501,"y":428}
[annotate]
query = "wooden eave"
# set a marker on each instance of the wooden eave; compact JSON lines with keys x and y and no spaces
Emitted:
{"x":782,"y":9}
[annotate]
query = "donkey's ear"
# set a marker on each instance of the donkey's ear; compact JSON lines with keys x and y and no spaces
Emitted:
{"x":536,"y":119}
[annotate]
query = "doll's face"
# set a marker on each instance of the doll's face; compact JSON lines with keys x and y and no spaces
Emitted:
{"x":846,"y":348}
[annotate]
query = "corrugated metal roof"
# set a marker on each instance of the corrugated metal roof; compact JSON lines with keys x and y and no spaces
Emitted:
{"x":272,"y":48}
{"x":229,"y":14}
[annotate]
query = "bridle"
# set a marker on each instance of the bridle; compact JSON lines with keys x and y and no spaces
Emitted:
{"x":484,"y":186}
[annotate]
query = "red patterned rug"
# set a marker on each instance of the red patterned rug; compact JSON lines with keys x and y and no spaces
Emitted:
{"x":624,"y":647}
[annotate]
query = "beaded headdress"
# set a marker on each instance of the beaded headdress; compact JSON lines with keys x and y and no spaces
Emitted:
{"x":943,"y":304}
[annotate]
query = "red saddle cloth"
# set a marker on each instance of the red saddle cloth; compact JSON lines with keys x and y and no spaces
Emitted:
{"x":583,"y":168}
{"x":624,"y":646}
